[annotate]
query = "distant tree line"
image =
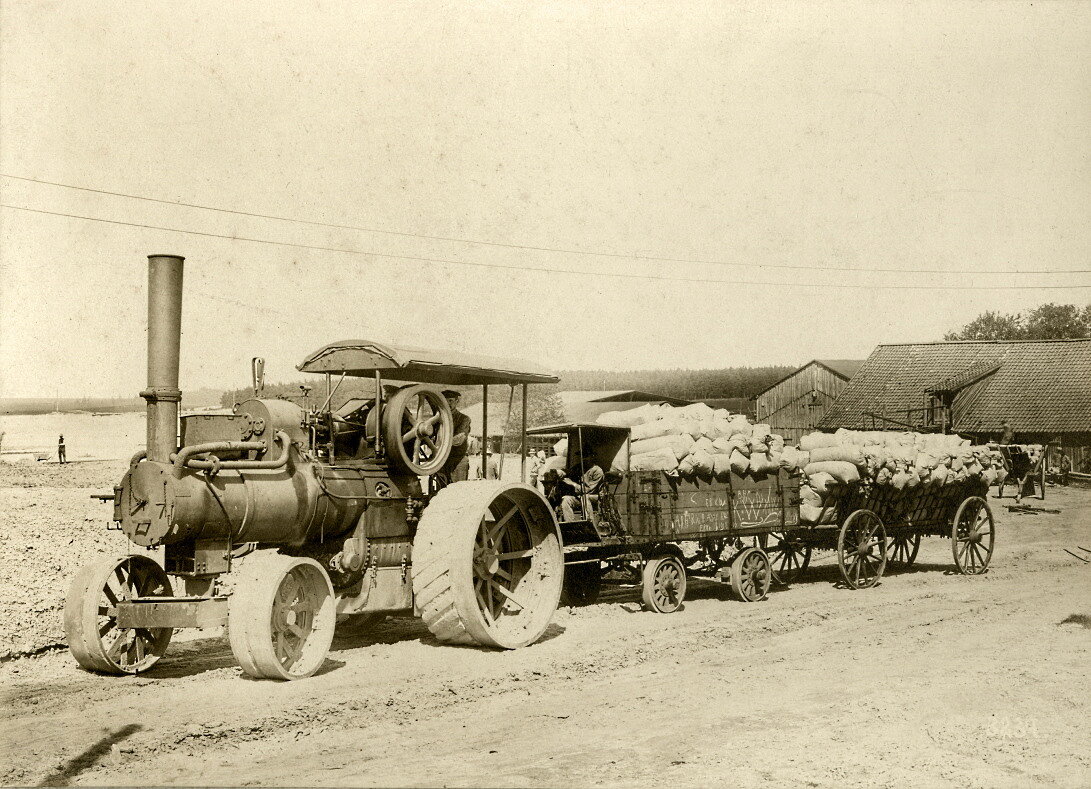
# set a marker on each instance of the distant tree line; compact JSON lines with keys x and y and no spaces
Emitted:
{"x":1047,"y":322}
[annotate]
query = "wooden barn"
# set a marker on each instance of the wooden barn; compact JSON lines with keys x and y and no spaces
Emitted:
{"x":796,"y":403}
{"x":1042,"y":388}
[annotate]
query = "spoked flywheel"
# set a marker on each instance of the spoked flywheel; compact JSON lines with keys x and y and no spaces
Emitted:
{"x":972,"y":536}
{"x":418,"y":429}
{"x":861,"y":549}
{"x":91,"y":615}
{"x":487,"y":564}
{"x":281,"y":617}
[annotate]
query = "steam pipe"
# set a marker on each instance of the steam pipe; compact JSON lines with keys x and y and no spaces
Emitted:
{"x":164,"y":340}
{"x":186,"y":459}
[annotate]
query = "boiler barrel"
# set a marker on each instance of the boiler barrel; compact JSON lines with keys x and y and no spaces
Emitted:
{"x":285,"y":506}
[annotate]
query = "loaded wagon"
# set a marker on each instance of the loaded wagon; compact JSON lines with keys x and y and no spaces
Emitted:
{"x":656,"y":528}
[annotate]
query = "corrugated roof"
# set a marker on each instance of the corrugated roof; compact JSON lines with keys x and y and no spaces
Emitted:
{"x":1038,"y":386}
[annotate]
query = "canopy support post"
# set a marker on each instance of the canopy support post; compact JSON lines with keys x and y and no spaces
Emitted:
{"x":484,"y":431}
{"x":523,"y":439}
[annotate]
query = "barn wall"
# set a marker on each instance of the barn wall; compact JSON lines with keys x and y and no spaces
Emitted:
{"x":787,"y":407}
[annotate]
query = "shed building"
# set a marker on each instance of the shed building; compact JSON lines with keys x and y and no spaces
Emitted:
{"x":1042,"y":388}
{"x":796,"y":403}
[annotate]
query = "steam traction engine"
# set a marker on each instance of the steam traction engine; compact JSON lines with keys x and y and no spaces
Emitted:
{"x":277,"y":521}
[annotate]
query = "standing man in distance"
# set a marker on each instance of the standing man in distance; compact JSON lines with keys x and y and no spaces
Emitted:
{"x":61,"y":450}
{"x":457,"y":467}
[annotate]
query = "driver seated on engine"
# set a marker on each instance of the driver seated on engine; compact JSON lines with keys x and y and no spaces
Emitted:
{"x":590,"y":476}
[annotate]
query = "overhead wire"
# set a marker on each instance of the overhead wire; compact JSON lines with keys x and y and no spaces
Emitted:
{"x":538,"y":248}
{"x":541,"y":270}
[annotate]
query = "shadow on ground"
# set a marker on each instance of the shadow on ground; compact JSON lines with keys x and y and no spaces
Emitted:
{"x":89,"y":758}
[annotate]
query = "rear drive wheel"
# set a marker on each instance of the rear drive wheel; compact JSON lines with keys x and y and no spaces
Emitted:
{"x":664,"y":584}
{"x":487,"y":564}
{"x":90,"y":615}
{"x":281,"y":618}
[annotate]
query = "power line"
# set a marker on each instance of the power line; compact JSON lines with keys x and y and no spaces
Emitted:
{"x":453,"y":262}
{"x":532,"y":248}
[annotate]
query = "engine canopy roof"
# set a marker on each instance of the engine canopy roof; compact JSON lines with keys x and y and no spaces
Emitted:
{"x":365,"y":358}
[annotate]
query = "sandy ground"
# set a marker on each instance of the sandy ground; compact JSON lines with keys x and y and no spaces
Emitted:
{"x":929,"y":679}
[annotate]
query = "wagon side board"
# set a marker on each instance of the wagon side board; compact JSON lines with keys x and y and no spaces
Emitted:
{"x":655,"y":507}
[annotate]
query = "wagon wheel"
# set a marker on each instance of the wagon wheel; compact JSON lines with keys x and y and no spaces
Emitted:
{"x":663,"y":584}
{"x":487,"y":564}
{"x":751,"y":575}
{"x":861,"y":549}
{"x":972,"y":536}
{"x":789,"y":556}
{"x":418,"y":429}
{"x":90,"y":615}
{"x":902,"y":550}
{"x":281,"y":618}
{"x":582,"y":584}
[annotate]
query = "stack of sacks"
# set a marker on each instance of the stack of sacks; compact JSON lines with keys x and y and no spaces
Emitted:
{"x":699,"y":440}
{"x":903,"y":461}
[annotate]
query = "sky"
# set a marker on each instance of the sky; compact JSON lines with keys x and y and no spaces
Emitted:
{"x":721,"y":184}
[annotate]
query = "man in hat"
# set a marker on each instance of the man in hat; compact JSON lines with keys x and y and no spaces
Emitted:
{"x":457,"y":467}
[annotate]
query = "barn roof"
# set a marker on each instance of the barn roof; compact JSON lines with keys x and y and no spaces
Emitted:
{"x":1038,"y":386}
{"x":845,"y":368}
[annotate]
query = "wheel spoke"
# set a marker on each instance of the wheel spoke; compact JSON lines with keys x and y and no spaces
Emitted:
{"x":497,"y":527}
{"x":504,"y":591}
{"x":106,"y":628}
{"x":510,"y":555}
{"x":114,"y":651}
{"x":485,"y":608}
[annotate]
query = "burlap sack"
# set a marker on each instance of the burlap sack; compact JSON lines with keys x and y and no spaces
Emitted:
{"x":847,"y":452}
{"x":761,"y":463}
{"x":701,"y":460}
{"x":841,"y":470}
{"x":821,"y":482}
{"x":721,"y":464}
{"x":702,"y":444}
{"x":739,"y":462}
{"x":813,"y":441}
{"x":659,"y":460}
{"x":659,"y":427}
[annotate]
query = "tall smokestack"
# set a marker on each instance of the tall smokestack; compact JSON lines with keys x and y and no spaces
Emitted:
{"x":164,"y":339}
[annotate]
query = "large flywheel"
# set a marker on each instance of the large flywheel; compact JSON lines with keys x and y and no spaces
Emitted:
{"x":487,"y":564}
{"x":418,"y":429}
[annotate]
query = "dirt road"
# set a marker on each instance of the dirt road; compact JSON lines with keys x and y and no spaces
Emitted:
{"x":929,"y":679}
